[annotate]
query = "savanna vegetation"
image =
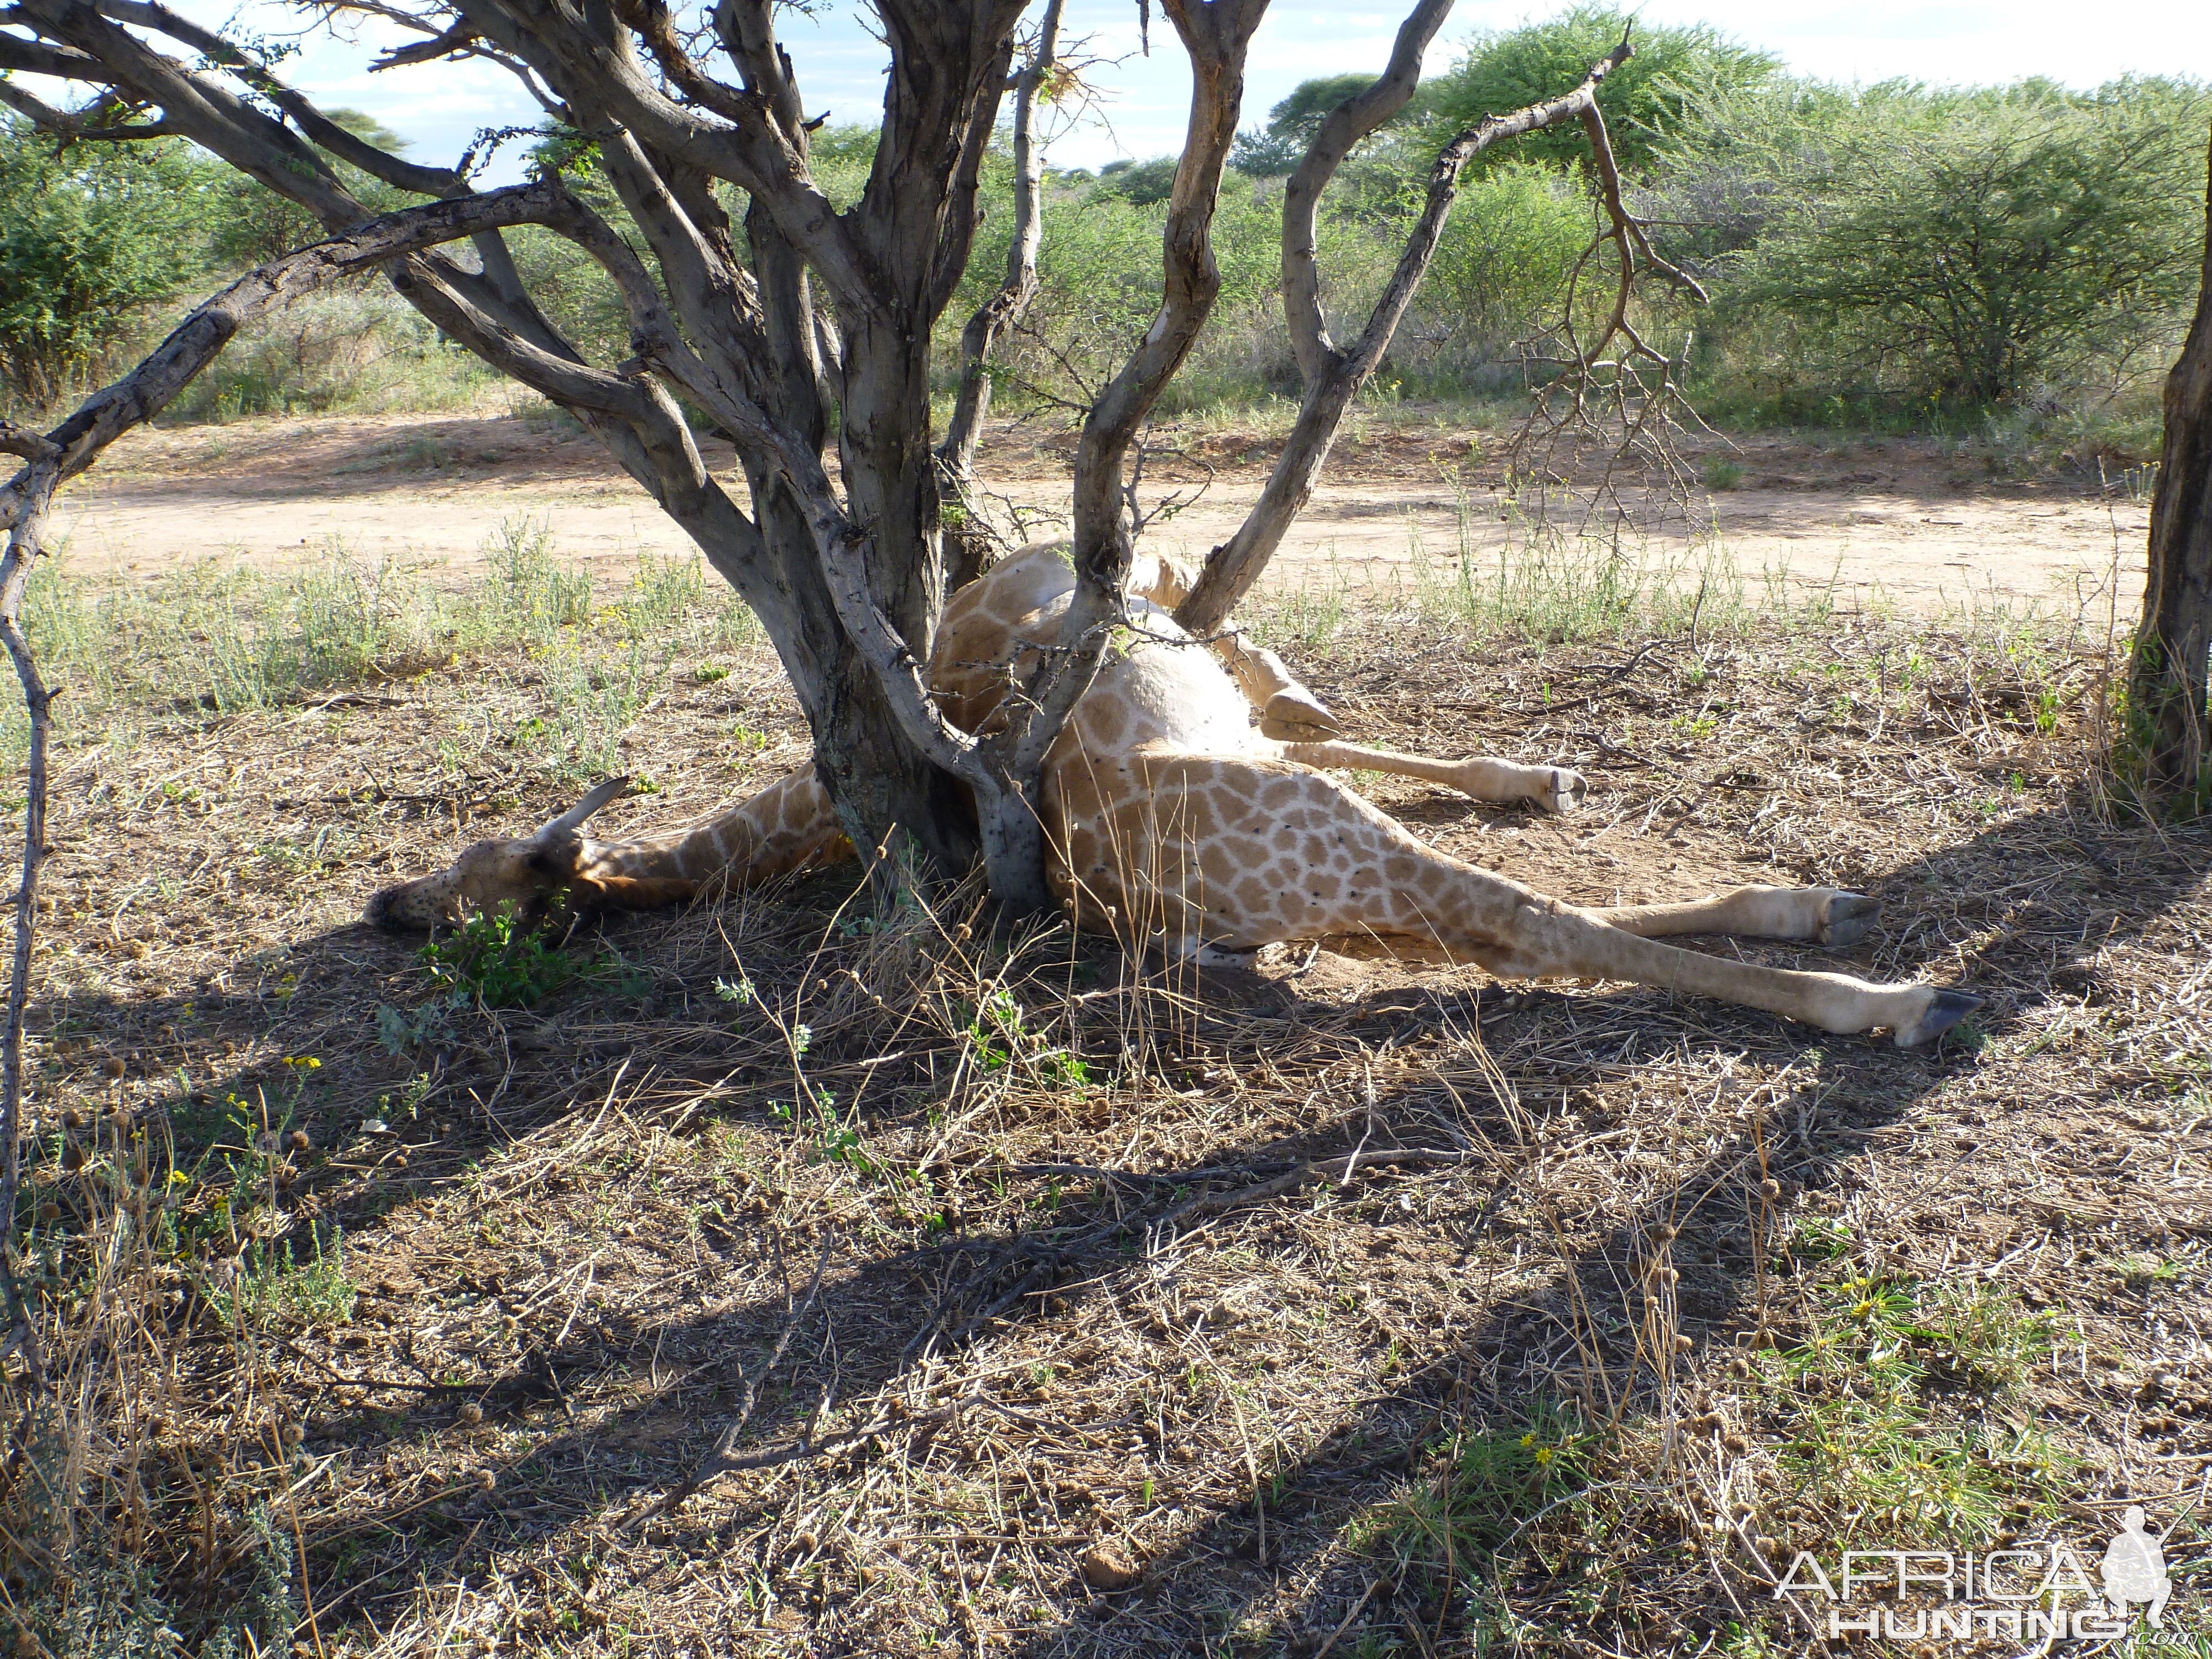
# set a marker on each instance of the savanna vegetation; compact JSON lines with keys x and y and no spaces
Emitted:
{"x":2017,"y":260}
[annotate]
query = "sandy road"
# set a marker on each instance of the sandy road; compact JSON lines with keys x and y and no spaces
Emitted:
{"x":1899,"y":522}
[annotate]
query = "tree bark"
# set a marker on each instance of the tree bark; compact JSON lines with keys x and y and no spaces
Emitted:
{"x":2168,"y":681}
{"x":966,"y":546}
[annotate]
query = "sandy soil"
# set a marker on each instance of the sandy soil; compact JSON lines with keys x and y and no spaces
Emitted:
{"x":1915,"y":523}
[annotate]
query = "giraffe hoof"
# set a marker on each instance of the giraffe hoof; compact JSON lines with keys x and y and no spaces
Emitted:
{"x":1945,"y":1009}
{"x":1565,"y":791}
{"x":1296,"y":716}
{"x":1847,"y":918}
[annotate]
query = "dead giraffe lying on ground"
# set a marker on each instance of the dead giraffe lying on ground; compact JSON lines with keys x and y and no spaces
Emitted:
{"x":1171,"y":819}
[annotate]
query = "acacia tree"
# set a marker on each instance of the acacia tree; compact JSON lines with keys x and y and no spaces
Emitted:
{"x":794,"y":328}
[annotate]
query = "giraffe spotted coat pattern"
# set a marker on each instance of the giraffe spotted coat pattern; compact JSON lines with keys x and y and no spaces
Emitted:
{"x":1174,"y":821}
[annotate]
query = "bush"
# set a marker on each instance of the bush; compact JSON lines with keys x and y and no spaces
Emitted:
{"x":252,"y":224}
{"x":1501,"y":267}
{"x":1961,"y":248}
{"x":1642,"y":100}
{"x":1140,"y":183}
{"x":1278,"y":149}
{"x":89,"y":240}
{"x":352,"y":350}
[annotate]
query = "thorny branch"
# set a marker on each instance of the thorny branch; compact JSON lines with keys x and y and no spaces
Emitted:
{"x":1333,"y":375}
{"x":25,"y":528}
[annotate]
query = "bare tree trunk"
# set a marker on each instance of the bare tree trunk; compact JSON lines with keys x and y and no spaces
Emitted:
{"x":2168,"y":684}
{"x":966,"y":544}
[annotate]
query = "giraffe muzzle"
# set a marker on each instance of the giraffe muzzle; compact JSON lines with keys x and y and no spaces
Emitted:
{"x":403,"y":910}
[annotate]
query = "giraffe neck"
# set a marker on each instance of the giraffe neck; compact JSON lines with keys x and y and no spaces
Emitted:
{"x":693,"y":854}
{"x":786,"y":826}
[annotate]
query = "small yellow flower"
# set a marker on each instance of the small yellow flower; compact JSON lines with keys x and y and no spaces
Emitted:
{"x":1527,"y":1440}
{"x":1543,"y":1456}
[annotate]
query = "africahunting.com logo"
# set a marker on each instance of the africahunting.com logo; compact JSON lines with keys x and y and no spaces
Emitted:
{"x":2031,"y":1592}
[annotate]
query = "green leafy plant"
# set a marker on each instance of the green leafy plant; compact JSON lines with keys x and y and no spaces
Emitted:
{"x":495,"y":960}
{"x":273,"y":1288}
{"x":999,"y":1037}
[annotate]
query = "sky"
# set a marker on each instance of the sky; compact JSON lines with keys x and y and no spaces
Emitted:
{"x":441,"y":107}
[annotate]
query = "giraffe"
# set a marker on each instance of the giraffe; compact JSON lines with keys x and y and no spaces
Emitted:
{"x":1173,"y":821}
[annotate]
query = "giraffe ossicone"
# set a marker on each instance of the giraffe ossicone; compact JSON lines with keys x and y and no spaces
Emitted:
{"x":1172,"y":819}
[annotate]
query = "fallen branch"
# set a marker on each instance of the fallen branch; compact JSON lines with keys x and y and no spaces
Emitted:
{"x":719,"y":1461}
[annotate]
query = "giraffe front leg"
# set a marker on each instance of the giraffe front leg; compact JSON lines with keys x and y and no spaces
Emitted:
{"x":1830,"y":916}
{"x":1554,"y":789}
{"x":1289,"y":711}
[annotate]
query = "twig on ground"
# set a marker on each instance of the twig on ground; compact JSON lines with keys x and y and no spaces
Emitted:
{"x":719,"y":1461}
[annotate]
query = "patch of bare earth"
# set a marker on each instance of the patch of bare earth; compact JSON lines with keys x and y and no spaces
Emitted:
{"x":1044,"y":1303}
{"x":1927,"y":526}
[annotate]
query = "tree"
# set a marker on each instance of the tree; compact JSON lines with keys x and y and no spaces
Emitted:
{"x":792,"y":323}
{"x":257,"y":225}
{"x":1276,"y":147}
{"x":1968,"y":245}
{"x":89,"y":239}
{"x":1506,"y":70}
{"x":2169,"y":685}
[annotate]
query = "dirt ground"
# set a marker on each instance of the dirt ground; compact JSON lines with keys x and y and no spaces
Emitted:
{"x":1924,"y":525}
{"x":1044,"y":1303}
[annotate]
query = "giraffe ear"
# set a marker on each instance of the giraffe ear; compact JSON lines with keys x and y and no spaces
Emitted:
{"x":629,"y":892}
{"x":573,"y":819}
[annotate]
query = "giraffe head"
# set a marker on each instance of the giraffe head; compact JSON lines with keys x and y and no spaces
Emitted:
{"x":525,"y":873}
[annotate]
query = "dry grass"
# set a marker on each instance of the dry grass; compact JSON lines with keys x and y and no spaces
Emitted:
{"x":1358,"y":1310}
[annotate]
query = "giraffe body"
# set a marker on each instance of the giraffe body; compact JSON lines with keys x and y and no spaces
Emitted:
{"x":1171,"y":819}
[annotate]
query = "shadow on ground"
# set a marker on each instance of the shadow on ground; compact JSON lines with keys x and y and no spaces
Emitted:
{"x":1269,"y":1556}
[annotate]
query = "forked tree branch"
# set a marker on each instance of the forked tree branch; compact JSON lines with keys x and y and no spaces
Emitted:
{"x":1333,"y":376}
{"x":1618,"y":374}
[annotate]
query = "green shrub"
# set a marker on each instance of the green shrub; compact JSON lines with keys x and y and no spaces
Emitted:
{"x":356,"y":350}
{"x":1504,"y":71}
{"x":498,"y":961}
{"x":1501,"y":268}
{"x":251,"y":224}
{"x":89,"y":240}
{"x":1957,"y":249}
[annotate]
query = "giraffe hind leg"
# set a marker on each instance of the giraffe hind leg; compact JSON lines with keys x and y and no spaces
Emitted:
{"x":1827,"y":915}
{"x":1252,"y":851}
